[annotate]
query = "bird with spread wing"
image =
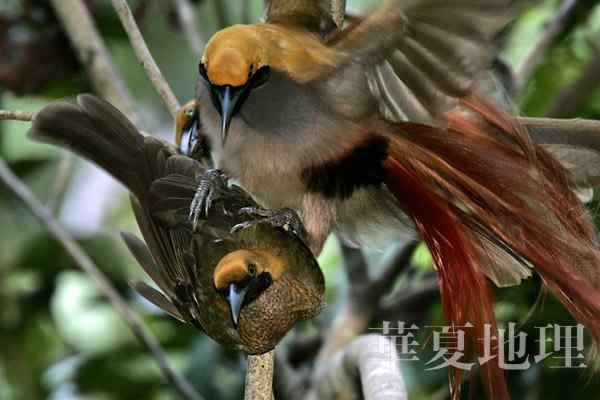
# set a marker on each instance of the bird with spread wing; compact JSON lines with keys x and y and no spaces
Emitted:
{"x":245,"y":289}
{"x":368,"y":128}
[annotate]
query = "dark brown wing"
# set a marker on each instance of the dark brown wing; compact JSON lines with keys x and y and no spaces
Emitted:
{"x":318,"y":15}
{"x":97,"y":131}
{"x":424,"y":54}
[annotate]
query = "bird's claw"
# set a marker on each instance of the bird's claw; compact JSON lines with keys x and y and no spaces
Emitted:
{"x":285,"y":218}
{"x":207,"y":192}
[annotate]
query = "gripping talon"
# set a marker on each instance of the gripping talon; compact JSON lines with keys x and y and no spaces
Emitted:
{"x":285,"y":218}
{"x":207,"y":192}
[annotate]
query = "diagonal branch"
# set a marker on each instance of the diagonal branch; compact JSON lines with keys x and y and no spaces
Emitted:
{"x":77,"y":21}
{"x":144,"y":57}
{"x":20,"y":190}
{"x":553,"y":28}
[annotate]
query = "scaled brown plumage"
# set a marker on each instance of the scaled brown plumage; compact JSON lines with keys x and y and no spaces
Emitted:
{"x":193,"y":270}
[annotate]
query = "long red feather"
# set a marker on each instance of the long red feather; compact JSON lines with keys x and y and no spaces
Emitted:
{"x":459,"y":279}
{"x":481,"y":181}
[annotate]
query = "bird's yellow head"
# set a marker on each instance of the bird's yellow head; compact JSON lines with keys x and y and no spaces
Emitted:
{"x":233,"y":56}
{"x":243,"y":275}
{"x":233,"y":64}
{"x":186,"y":127}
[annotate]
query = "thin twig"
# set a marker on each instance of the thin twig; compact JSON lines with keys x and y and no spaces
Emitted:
{"x":144,"y":57}
{"x":259,"y":377}
{"x":187,"y":19}
{"x":92,"y":53}
{"x":15,"y":115}
{"x":61,"y":181}
{"x":19,"y":189}
{"x":79,"y":26}
{"x":553,"y":28}
{"x":28,"y":116}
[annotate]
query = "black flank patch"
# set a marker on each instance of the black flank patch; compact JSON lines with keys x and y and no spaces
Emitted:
{"x":338,"y":179}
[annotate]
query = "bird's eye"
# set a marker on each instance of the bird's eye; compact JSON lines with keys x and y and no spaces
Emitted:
{"x":260,"y":76}
{"x":189,"y":112}
{"x":252,"y":270}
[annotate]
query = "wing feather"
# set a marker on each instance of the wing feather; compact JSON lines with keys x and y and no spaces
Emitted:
{"x":437,"y":48}
{"x":321,"y":15}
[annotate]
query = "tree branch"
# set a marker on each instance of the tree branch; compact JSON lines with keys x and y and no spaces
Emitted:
{"x":553,"y":28}
{"x":368,"y":366}
{"x":144,"y":57}
{"x":16,"y":115}
{"x":82,"y":260}
{"x":259,"y":377}
{"x":79,"y":26}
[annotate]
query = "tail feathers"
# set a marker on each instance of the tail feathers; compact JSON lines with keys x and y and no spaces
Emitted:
{"x":459,"y":277}
{"x":95,"y":130}
{"x":480,"y":193}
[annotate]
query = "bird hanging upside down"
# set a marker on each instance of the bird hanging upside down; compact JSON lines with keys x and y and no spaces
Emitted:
{"x":355,"y":128}
{"x":245,"y":289}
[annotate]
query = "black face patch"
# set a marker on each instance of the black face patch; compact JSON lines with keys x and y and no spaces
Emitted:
{"x":361,"y":167}
{"x":256,"y":286}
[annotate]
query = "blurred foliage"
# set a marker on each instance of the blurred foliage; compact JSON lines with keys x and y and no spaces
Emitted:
{"x":59,"y":339}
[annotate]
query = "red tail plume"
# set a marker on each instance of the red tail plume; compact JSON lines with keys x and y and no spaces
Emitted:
{"x":455,"y":258}
{"x":480,"y":188}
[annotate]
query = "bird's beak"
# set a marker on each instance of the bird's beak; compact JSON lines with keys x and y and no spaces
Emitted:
{"x":229,"y":104}
{"x":236,"y":301}
{"x":186,"y":134}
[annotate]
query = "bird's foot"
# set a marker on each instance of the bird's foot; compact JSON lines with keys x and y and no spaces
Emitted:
{"x":285,"y":218}
{"x":212,"y":183}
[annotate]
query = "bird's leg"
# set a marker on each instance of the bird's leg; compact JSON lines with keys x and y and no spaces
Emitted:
{"x":285,"y":218}
{"x":211,"y":184}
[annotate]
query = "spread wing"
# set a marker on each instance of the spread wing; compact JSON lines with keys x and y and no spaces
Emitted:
{"x":575,"y":144}
{"x":422,"y":55}
{"x":319,"y":15}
